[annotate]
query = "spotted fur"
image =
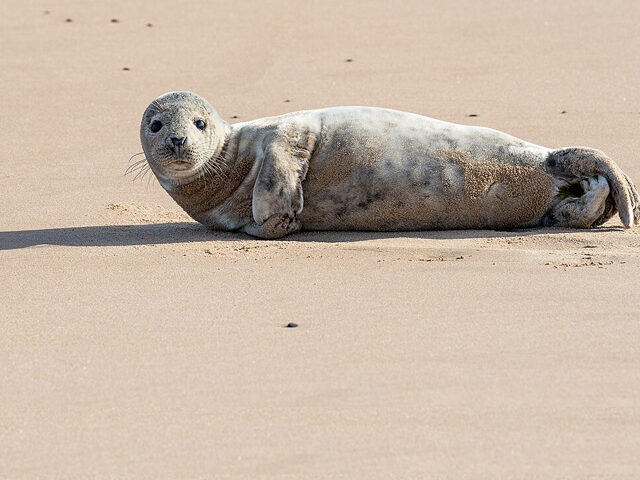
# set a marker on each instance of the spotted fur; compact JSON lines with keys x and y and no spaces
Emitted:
{"x":362,"y":168}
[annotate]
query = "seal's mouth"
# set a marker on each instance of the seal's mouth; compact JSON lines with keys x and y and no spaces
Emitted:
{"x":180,"y":165}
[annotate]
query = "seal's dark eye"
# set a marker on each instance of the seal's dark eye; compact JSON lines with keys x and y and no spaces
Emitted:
{"x":200,"y":124}
{"x":156,"y":126}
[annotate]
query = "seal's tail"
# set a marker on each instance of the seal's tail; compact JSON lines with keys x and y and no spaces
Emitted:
{"x":578,"y":163}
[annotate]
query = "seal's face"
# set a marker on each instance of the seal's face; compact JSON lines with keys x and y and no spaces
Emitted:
{"x":180,"y":133}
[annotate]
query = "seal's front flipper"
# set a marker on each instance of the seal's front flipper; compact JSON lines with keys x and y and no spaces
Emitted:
{"x":278,"y":187}
{"x":574,"y":164}
{"x":275,"y":227}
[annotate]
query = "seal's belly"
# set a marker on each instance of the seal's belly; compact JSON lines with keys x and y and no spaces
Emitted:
{"x":443,"y":197}
{"x":425,"y":181}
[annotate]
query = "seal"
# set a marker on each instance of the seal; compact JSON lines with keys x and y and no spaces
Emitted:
{"x":365,"y":168}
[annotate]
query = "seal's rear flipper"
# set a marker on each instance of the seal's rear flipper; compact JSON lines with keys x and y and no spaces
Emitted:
{"x":635,"y":200}
{"x":584,"y":204}
{"x":573,"y":165}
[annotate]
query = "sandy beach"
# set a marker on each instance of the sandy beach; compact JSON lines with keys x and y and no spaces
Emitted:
{"x":135,"y":343}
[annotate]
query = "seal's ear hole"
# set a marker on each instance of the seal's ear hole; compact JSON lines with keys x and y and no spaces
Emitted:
{"x":200,"y":124}
{"x":156,"y":126}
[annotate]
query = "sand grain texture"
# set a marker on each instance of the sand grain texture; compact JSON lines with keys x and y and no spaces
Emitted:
{"x":136,"y":344}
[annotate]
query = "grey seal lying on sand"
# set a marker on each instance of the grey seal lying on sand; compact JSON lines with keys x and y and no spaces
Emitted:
{"x":362,"y":168}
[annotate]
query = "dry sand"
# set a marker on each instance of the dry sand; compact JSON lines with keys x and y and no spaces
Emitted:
{"x":136,"y":344}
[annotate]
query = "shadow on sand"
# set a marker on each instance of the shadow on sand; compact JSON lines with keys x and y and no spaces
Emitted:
{"x":185,"y":232}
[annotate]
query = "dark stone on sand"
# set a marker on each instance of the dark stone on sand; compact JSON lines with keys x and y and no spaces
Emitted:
{"x":292,"y":325}
{"x":349,"y":60}
{"x":563,"y":112}
{"x":68,"y":20}
{"x":472,"y":115}
{"x":114,"y":20}
{"x":126,"y":69}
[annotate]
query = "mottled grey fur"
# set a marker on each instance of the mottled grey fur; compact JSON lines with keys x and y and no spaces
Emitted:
{"x":361,"y":168}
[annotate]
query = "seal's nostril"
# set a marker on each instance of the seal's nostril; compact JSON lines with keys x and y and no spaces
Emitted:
{"x":178,"y":142}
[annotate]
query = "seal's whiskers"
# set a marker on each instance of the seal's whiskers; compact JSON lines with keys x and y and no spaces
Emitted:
{"x":135,"y":155}
{"x":136,"y":166}
{"x":143,"y":171}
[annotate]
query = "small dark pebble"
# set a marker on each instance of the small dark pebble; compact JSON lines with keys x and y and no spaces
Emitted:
{"x":590,"y":246}
{"x":472,"y":115}
{"x":126,"y":69}
{"x":68,"y":20}
{"x":563,"y":112}
{"x":349,"y":60}
{"x":287,"y":101}
{"x":114,"y":20}
{"x":234,"y":116}
{"x":149,"y":24}
{"x":292,"y":325}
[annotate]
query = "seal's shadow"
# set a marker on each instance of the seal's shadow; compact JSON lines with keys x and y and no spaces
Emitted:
{"x":110,"y":235}
{"x":183,"y":232}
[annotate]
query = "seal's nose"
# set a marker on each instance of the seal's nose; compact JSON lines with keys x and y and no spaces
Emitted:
{"x":178,"y":142}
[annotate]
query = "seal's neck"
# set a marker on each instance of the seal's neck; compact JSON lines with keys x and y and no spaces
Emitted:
{"x":216,"y":181}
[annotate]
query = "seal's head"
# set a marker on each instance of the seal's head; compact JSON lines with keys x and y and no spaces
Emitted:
{"x":180,"y":134}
